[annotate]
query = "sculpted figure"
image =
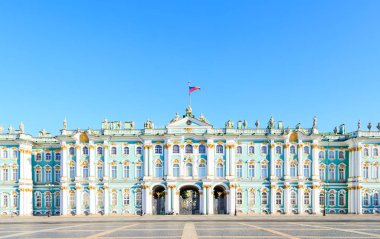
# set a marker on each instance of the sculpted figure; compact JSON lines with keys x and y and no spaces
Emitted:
{"x":271,"y":123}
{"x":105,"y":123}
{"x":315,"y":122}
{"x":10,"y":129}
{"x":22,"y":127}
{"x":240,"y":124}
{"x":176,"y":118}
{"x":119,"y":125}
{"x":369,"y":126}
{"x":257,"y":123}
{"x":203,"y":119}
{"x":359,"y":124}
{"x":245,"y":124}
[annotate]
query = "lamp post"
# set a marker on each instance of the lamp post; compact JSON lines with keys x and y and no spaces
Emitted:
{"x":51,"y":197}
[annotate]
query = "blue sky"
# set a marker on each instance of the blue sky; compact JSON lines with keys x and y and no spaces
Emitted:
{"x":131,"y":60}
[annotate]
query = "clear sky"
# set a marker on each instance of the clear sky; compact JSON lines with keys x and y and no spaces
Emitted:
{"x":131,"y":60}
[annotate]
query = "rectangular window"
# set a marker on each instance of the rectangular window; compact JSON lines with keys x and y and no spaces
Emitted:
{"x":139,"y":171}
{"x":15,"y":174}
{"x":278,"y":170}
{"x":100,"y":172}
{"x":57,"y":175}
{"x":341,"y":174}
{"x":239,"y":171}
{"x":5,"y":174}
{"x":331,"y":174}
{"x":251,"y":170}
{"x":114,"y":171}
{"x":48,"y":175}
{"x":38,"y":176}
{"x":85,"y":171}
{"x":293,"y":171}
{"x":72,"y":172}
{"x":126,"y":171}
{"x":322,"y":174}
{"x":365,"y":172}
{"x":264,"y":171}
{"x":306,"y":170}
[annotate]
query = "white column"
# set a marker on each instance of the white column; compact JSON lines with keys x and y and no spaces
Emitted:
{"x":272,"y":199}
{"x":210,"y":203}
{"x":92,"y":161}
{"x":287,"y":198}
{"x":182,"y":161}
{"x":210,"y":160}
{"x":106,"y":161}
{"x":77,"y":159}
{"x":300,"y":199}
{"x":167,"y":160}
{"x":64,"y":193}
{"x":148,"y":200}
{"x":106,"y":200}
{"x":315,"y":161}
{"x":78,"y":195}
{"x":232,"y":198}
{"x":202,"y":206}
{"x":92,"y":199}
{"x":359,"y":175}
{"x":195,"y":163}
{"x":300,"y":159}
{"x":286,"y":161}
{"x":176,"y":201}
{"x":315,"y":199}
{"x":64,"y":196}
{"x":272,"y":160}
{"x":232,"y":160}
{"x":146,"y":161}
{"x":228,"y":161}
{"x":168,"y":199}
{"x":150,"y":160}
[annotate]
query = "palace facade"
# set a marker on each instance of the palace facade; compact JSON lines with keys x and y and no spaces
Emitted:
{"x":190,"y":167}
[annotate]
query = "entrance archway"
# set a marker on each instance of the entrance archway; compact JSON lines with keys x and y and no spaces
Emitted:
{"x":189,"y":200}
{"x":220,"y":200}
{"x":158,"y":200}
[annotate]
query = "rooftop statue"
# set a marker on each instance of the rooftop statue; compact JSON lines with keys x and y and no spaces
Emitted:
{"x":148,"y":124}
{"x":271,"y":123}
{"x":105,"y":124}
{"x":189,"y":112}
{"x":229,"y":124}
{"x":369,"y":126}
{"x":176,"y":118}
{"x":257,"y":123}
{"x":298,"y":126}
{"x":240,"y":124}
{"x":378,"y":126}
{"x":22,"y":127}
{"x":10,"y":129}
{"x":315,"y":122}
{"x":65,"y":123}
{"x":359,"y":124}
{"x":336,"y":130}
{"x":203,"y":118}
{"x":245,"y":124}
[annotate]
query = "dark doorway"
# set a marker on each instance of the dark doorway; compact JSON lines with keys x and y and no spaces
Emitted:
{"x":159,"y":200}
{"x":220,"y":200}
{"x":189,"y":200}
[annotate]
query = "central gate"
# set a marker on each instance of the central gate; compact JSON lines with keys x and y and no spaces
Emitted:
{"x":219,"y":200}
{"x":189,"y":201}
{"x":159,"y":200}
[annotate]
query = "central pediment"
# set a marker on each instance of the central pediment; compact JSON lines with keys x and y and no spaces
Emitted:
{"x":188,"y":122}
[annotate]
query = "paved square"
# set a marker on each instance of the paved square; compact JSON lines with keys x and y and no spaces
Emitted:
{"x":190,"y":228}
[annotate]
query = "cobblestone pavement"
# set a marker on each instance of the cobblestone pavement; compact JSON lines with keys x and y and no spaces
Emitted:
{"x":162,"y":227}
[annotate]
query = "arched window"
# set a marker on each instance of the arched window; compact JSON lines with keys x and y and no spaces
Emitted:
{"x":100,"y":200}
{"x":48,"y":156}
{"x":278,"y":149}
{"x":306,"y":150}
{"x":126,"y":150}
{"x":239,"y":150}
{"x":251,"y":150}
{"x":341,"y":155}
{"x":292,"y":149}
{"x":341,"y":199}
{"x":264,"y":149}
{"x":138,"y":198}
{"x":189,"y":170}
{"x":220,"y":170}
{"x":376,"y":199}
{"x":72,"y":199}
{"x":38,"y":156}
{"x":202,"y":149}
{"x":251,"y":170}
{"x":331,"y":154}
{"x":114,"y":198}
{"x":48,"y":200}
{"x":366,"y":199}
{"x":138,"y":150}
{"x":365,"y":152}
{"x":331,"y":199}
{"x":219,"y":149}
{"x":126,"y":199}
{"x":99,"y":150}
{"x":202,"y":170}
{"x":251,"y":198}
{"x":85,"y":150}
{"x":293,"y":198}
{"x":113,"y":151}
{"x":264,"y":198}
{"x":5,"y":200}
{"x":15,"y":154}
{"x":306,"y":198}
{"x":158,"y":167}
{"x":278,"y":198}
{"x":321,"y":154}
{"x":239,"y":170}
{"x":176,"y":170}
{"x":375,"y":152}
{"x":239,"y":198}
{"x":331,"y":173}
{"x":175,"y":149}
{"x":38,"y":200}
{"x":71,"y":151}
{"x":321,"y":199}
{"x":158,"y":149}
{"x":189,"y":149}
{"x":57,"y":156}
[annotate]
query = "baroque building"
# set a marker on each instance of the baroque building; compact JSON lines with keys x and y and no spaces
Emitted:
{"x":190,"y":167}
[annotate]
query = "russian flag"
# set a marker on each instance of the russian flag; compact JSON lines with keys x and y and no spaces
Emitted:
{"x":193,"y":88}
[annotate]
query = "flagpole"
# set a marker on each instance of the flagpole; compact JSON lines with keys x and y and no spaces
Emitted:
{"x":189,"y":93}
